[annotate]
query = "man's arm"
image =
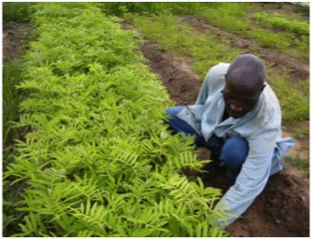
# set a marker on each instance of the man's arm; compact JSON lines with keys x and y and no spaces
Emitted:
{"x":252,"y":178}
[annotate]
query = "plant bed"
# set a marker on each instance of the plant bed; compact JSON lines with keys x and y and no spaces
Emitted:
{"x":99,"y":160}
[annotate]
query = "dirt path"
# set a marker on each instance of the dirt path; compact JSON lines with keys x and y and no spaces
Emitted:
{"x":282,"y":210}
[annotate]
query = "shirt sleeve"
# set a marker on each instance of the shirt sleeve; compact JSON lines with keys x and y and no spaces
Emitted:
{"x":203,"y":93}
{"x":252,"y":178}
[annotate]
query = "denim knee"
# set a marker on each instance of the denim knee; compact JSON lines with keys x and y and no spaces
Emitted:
{"x":173,"y":111}
{"x":179,"y":125}
{"x":234,"y":153}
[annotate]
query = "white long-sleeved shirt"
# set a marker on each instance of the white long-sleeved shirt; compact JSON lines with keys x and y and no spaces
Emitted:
{"x":261,"y":127}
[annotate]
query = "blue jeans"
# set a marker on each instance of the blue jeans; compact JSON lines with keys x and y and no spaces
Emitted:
{"x":233,"y":152}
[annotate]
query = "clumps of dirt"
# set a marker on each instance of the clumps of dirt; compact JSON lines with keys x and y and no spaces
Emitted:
{"x":298,"y":70}
{"x":9,"y":42}
{"x":180,"y":80}
{"x":282,"y":209}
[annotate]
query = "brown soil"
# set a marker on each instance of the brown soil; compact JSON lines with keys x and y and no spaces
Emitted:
{"x":282,"y":210}
{"x":177,"y":76}
{"x":12,"y":37}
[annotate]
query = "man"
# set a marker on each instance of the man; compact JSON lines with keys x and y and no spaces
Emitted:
{"x":238,"y":118}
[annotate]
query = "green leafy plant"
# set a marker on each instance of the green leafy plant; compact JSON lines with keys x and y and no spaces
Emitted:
{"x":99,"y":160}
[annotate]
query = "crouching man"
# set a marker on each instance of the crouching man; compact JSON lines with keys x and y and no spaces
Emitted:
{"x":237,"y":116}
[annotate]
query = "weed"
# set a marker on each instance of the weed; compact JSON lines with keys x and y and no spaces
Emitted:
{"x":293,"y":98}
{"x":299,"y":133}
{"x":300,"y":163}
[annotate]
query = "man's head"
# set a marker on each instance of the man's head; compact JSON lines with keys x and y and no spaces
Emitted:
{"x":244,"y":84}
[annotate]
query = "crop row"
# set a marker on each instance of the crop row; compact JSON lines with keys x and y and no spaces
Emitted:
{"x":280,"y":22}
{"x":98,"y":159}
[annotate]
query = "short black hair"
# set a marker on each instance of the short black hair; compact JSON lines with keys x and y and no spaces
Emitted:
{"x":250,"y":64}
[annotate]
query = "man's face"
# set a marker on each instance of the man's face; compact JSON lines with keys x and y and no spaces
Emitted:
{"x":240,"y":100}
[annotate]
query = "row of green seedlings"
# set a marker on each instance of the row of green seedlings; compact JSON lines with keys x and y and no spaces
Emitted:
{"x":291,"y":33}
{"x":235,"y":20}
{"x":282,"y":23}
{"x":99,"y":160}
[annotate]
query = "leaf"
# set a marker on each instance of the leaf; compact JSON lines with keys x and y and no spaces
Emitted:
{"x":88,"y":208}
{"x":199,"y":230}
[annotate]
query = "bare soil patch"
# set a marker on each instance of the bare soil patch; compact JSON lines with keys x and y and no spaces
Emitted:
{"x":299,"y":69}
{"x":282,"y":210}
{"x":300,"y":129}
{"x":12,"y":37}
{"x":176,"y":75}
